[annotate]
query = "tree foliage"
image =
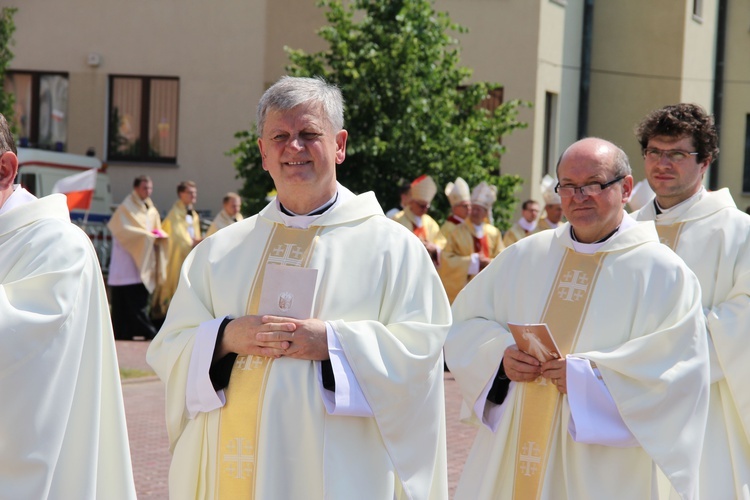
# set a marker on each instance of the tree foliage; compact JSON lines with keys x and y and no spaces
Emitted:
{"x":398,"y":68}
{"x":7,"y":27}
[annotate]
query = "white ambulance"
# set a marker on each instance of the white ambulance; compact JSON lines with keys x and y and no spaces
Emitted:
{"x":39,"y":170}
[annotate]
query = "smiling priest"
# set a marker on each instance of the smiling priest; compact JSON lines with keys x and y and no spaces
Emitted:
{"x":302,"y":350}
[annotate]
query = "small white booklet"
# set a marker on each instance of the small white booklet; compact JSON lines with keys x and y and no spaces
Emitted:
{"x":535,"y":339}
{"x":288,"y":291}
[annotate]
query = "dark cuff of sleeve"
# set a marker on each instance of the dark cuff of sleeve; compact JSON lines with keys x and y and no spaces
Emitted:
{"x":329,"y":382}
{"x":499,"y":389}
{"x":221,"y":369}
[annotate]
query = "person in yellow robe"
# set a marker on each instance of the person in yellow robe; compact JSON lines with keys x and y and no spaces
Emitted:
{"x":710,"y":233}
{"x":416,"y":219}
{"x":552,"y":216}
{"x":345,"y":401}
{"x":230,"y":213}
{"x":138,"y":263}
{"x":183,"y":226}
{"x":629,"y":395}
{"x":459,"y":196}
{"x":62,"y":426}
{"x":526,"y":225}
{"x":472,"y":245}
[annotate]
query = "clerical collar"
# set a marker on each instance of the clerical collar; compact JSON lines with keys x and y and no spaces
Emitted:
{"x":573,"y":235}
{"x":526,"y":225}
{"x":318,"y":211}
{"x":697,"y":196}
{"x":626,"y":223}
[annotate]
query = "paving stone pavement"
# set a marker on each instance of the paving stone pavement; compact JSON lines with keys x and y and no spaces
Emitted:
{"x":149,"y":446}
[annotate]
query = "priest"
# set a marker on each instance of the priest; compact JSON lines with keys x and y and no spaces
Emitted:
{"x":629,"y":394}
{"x":710,"y":233}
{"x":63,"y":422}
{"x":473,"y":244}
{"x":230,"y":213}
{"x":302,"y":351}
{"x":183,"y":226}
{"x":138,"y":263}
{"x":415,"y":218}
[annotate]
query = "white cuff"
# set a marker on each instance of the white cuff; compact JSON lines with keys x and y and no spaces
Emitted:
{"x":594,"y":418}
{"x":348,"y":399}
{"x":473,"y":265}
{"x":200,"y":395}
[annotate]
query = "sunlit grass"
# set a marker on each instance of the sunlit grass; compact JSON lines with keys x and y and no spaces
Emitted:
{"x":126,"y":373}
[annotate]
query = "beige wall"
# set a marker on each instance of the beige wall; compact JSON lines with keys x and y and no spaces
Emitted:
{"x":736,"y":102}
{"x":216,"y":50}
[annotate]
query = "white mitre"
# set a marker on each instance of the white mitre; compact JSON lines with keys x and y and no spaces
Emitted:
{"x":641,"y":194}
{"x":548,"y":191}
{"x":423,"y":188}
{"x":457,"y":192}
{"x":484,"y":195}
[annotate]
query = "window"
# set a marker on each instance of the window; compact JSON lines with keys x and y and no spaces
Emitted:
{"x":40,"y":108}
{"x":550,"y":134}
{"x":143,"y":115}
{"x":698,"y":10}
{"x":746,"y":172}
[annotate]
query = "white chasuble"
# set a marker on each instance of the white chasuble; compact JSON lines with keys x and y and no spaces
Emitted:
{"x":639,"y":320}
{"x":378,"y":289}
{"x":62,"y":425}
{"x":711,"y":236}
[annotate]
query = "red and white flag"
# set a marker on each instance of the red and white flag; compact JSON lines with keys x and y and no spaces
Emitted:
{"x":79,"y":189}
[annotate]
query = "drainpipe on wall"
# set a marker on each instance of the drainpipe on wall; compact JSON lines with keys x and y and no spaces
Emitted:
{"x":585,"y":82}
{"x":718,"y":98}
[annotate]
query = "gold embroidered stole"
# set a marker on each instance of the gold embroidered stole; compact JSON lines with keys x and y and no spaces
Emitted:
{"x":540,"y":401}
{"x":241,"y":415}
{"x":670,"y":234}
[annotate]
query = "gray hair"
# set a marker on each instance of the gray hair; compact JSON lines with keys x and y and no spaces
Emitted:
{"x":620,"y":163}
{"x":7,"y":143}
{"x":291,"y":91}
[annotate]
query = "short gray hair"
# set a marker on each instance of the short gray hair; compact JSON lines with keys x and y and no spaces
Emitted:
{"x":291,"y":91}
{"x":620,"y":163}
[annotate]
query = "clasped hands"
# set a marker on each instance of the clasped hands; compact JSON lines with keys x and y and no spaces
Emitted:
{"x":522,"y":367}
{"x":275,"y":336}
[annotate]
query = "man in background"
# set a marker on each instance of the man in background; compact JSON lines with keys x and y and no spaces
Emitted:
{"x":63,"y":422}
{"x":459,"y":196}
{"x":552,"y":205}
{"x":416,"y":219}
{"x":472,"y":245}
{"x":526,"y":225}
{"x":183,"y":226}
{"x":679,"y":143}
{"x":138,"y":263}
{"x":230,"y":213}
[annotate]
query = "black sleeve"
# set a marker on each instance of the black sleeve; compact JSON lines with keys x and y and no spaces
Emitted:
{"x":221,"y":369}
{"x":329,"y":382}
{"x":499,"y":389}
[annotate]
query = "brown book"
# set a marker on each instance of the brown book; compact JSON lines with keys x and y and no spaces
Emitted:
{"x":536,"y":340}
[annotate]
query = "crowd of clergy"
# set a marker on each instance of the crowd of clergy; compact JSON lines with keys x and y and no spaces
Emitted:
{"x":302,"y":349}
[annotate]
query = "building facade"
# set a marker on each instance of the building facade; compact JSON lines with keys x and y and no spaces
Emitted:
{"x":160,"y":87}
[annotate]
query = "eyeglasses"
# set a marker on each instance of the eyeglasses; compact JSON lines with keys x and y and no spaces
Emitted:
{"x":587,"y":190}
{"x":673,"y":155}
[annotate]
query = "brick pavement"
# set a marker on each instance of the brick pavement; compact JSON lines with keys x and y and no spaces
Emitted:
{"x":144,"y":409}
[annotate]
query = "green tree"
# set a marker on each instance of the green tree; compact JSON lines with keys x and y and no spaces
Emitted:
{"x":406,"y":112}
{"x":7,"y":27}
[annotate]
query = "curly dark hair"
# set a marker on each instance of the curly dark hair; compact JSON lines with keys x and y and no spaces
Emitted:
{"x":681,"y":120}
